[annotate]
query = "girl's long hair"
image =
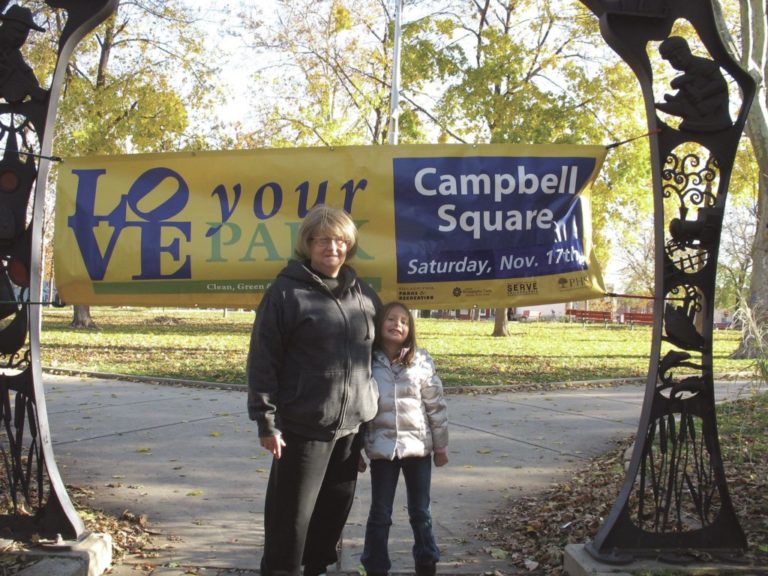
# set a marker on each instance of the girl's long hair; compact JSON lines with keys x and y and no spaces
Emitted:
{"x":410,"y":341}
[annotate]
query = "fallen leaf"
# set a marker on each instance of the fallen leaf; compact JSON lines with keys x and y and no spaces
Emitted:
{"x":531,"y":564}
{"x":498,"y":554}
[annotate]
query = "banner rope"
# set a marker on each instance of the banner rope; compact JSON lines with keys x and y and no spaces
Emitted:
{"x":628,"y":140}
{"x":607,"y":295}
{"x":44,"y":157}
{"x":637,"y":296}
{"x":640,"y":297}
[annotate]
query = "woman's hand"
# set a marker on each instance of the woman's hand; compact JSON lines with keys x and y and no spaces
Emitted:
{"x":274,"y":444}
{"x":361,"y":465}
{"x":440,"y":458}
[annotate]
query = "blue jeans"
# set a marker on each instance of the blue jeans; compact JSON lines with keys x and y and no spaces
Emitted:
{"x":384,"y":477}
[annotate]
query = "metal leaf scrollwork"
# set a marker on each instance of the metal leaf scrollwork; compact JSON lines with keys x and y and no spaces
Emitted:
{"x":688,"y":248}
{"x":22,"y":458}
{"x":691,"y":186}
{"x":676,"y":490}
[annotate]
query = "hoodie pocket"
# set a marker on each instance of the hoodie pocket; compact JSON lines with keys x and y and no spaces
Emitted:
{"x":318,"y":399}
{"x":363,"y":400}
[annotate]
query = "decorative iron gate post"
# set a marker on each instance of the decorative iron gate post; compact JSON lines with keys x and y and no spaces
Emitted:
{"x":31,"y":487}
{"x":675,"y":497}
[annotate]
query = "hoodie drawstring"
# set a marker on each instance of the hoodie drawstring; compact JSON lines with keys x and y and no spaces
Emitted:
{"x":359,"y":293}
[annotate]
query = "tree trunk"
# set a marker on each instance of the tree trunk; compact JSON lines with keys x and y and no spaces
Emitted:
{"x":500,"y":324}
{"x":82,"y":318}
{"x":755,"y":341}
{"x":754,"y":334}
{"x":752,"y":58}
{"x":106,"y":49}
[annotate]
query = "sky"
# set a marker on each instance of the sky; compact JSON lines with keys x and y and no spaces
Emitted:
{"x":237,"y":66}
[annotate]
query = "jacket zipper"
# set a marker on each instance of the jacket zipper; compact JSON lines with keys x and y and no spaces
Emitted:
{"x":348,"y":371}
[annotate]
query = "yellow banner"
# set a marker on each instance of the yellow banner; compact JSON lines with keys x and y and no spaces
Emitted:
{"x":449,"y":226}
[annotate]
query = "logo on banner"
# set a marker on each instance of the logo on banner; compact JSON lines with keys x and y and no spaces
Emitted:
{"x":576,"y":283}
{"x":470,"y":292}
{"x":414,"y":296}
{"x":524,"y":288}
{"x":153,"y":223}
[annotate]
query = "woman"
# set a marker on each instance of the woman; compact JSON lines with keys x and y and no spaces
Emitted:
{"x":309,"y":390}
{"x":409,"y":430}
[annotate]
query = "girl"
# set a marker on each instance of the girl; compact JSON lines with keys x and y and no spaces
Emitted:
{"x":410,"y":426}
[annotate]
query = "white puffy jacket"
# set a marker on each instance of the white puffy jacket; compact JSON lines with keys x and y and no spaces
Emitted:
{"x":412,"y":419}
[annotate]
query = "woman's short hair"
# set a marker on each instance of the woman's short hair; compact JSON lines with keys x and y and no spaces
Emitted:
{"x":325,"y":220}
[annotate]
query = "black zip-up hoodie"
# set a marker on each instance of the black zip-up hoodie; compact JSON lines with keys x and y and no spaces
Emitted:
{"x":309,"y":362}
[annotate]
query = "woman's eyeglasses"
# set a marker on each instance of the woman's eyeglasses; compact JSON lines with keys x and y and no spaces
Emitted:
{"x":325,"y":241}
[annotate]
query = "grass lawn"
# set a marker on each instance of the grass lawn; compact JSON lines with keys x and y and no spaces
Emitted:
{"x":210,"y":345}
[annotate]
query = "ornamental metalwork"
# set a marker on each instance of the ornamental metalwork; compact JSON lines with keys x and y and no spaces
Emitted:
{"x":674,"y":502}
{"x":33,"y":496}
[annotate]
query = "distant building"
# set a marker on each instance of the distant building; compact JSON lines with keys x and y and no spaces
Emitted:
{"x":539,"y":312}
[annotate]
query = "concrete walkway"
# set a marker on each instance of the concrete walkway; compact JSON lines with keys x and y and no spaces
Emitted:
{"x":190,"y":460}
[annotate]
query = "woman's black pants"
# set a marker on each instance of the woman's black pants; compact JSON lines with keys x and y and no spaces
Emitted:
{"x":309,"y":495}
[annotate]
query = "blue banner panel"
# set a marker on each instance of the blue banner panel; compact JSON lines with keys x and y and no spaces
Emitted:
{"x":489,"y":217}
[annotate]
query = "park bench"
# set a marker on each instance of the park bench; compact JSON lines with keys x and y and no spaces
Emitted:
{"x":590,"y":315}
{"x":530,"y":315}
{"x":633,"y":318}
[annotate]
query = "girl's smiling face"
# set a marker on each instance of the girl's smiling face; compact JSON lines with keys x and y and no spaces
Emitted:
{"x":395,"y":327}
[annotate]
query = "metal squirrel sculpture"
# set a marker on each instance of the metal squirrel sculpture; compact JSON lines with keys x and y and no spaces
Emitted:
{"x":701,"y":99}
